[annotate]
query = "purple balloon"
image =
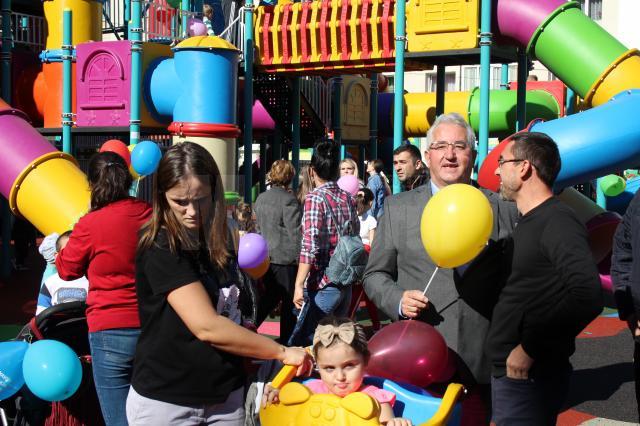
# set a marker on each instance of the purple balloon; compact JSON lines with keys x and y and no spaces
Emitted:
{"x":252,"y":250}
{"x":349,"y":183}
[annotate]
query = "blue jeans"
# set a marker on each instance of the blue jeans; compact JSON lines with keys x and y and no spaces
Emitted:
{"x":329,"y":300}
{"x":112,"y":354}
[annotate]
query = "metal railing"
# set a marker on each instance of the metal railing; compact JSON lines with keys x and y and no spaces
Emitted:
{"x":160,"y":22}
{"x":28,"y":30}
{"x":318,"y":94}
{"x":234,"y":33}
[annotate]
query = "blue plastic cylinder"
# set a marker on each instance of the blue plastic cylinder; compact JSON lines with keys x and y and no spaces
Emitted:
{"x":209,"y":85}
{"x":162,"y":88}
{"x":598,"y":141}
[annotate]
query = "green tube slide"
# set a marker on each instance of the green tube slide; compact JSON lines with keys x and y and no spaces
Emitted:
{"x":574,"y":48}
{"x":502,"y":109}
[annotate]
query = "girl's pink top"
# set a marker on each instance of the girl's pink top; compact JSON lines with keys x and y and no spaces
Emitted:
{"x":380,"y":395}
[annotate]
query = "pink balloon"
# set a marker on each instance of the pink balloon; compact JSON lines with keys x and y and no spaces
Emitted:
{"x":196,"y":27}
{"x":408,"y":351}
{"x":349,"y":183}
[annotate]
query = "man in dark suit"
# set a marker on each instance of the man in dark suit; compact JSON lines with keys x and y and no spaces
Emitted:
{"x":459,"y":301}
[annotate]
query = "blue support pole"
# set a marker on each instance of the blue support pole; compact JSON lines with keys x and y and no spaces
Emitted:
{"x":485,"y":75}
{"x":7,"y":217}
{"x":336,"y":121}
{"x":362,"y":148}
{"x":127,"y":18}
{"x":521,"y":102}
{"x":373,"y":118}
{"x":398,"y":100}
{"x":570,"y":102}
{"x":247,"y":133}
{"x":135,"y":32}
{"x":504,"y":77}
{"x":295,"y":122}
{"x":67,"y":60}
{"x":601,"y":199}
{"x":440,"y":81}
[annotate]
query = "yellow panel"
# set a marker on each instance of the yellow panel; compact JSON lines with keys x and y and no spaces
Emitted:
{"x":333,"y":30}
{"x":275,"y":34}
{"x":354,"y":29}
{"x":86,"y":21}
{"x":376,"y":50}
{"x":435,"y":25}
{"x":257,"y":35}
{"x":313,"y":32}
{"x":294,"y":33}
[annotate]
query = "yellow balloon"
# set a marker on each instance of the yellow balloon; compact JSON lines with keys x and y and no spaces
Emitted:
{"x":134,"y":174}
{"x":456,"y":224}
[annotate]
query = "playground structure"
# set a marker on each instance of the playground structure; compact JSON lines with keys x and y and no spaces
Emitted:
{"x":190,"y":90}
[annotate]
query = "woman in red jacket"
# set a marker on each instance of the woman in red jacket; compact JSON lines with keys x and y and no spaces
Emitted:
{"x":102,"y":246}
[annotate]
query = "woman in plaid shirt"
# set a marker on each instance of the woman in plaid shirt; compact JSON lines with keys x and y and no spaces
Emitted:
{"x":314,"y":295}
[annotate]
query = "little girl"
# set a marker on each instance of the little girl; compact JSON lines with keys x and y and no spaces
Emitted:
{"x":368,"y":223}
{"x":341,"y":355}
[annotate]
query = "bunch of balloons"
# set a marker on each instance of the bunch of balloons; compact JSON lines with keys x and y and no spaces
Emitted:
{"x":456,"y":224}
{"x":50,"y":369}
{"x":142,"y":158}
{"x":253,"y":255}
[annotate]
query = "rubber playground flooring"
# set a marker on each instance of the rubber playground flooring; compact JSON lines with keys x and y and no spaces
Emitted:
{"x":602,"y":388}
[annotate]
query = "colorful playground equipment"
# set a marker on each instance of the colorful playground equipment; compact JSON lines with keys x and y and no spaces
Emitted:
{"x":42,"y":184}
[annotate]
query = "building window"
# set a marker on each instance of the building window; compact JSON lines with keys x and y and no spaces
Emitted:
{"x":449,"y":81}
{"x":592,"y":8}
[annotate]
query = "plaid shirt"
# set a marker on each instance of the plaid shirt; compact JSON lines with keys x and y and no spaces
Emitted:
{"x":319,"y":234}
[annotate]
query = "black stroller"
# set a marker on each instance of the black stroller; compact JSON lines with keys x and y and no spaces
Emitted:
{"x":66,"y":323}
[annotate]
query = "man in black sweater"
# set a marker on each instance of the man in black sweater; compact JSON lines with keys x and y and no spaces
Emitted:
{"x":552,"y":293}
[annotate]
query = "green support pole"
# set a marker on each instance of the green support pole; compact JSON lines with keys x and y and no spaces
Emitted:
{"x":440,"y":89}
{"x":521,"y":104}
{"x":184,"y":6}
{"x":373,"y":118}
{"x":135,"y":31}
{"x":67,"y":60}
{"x":398,"y":99}
{"x":336,"y":121}
{"x":295,"y":148}
{"x":127,"y":18}
{"x":247,"y":134}
{"x":485,"y":79}
{"x":7,"y":217}
{"x":504,"y":77}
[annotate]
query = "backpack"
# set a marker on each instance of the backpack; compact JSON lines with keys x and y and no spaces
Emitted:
{"x":349,"y":258}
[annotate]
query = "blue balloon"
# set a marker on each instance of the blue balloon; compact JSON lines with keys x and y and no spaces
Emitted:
{"x":52,"y":370}
{"x":11,"y":378}
{"x":145,"y":157}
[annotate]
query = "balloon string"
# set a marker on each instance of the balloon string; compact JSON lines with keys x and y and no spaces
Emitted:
{"x":430,"y":281}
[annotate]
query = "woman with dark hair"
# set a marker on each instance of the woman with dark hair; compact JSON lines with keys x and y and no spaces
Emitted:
{"x":188,"y":362}
{"x":279,"y":215}
{"x":326,"y":209}
{"x":378,"y":185}
{"x":102,"y":246}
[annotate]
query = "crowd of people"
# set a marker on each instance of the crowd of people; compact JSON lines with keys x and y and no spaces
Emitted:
{"x":168,"y":304}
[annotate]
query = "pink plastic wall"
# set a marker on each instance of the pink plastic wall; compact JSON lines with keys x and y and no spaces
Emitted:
{"x":104,"y":85}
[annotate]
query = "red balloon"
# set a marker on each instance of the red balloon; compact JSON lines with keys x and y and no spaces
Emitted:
{"x":118,"y":147}
{"x":408,"y":351}
{"x":450,"y":369}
